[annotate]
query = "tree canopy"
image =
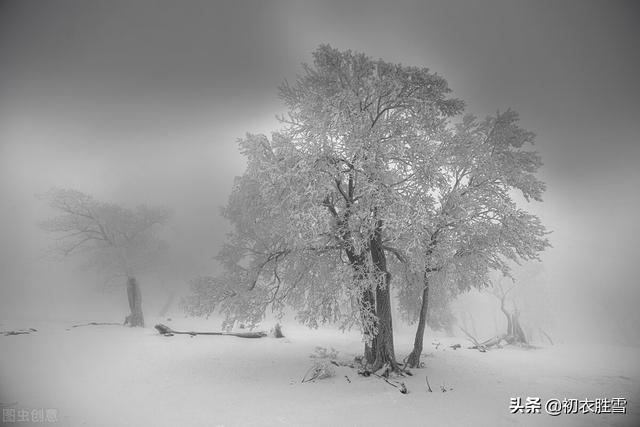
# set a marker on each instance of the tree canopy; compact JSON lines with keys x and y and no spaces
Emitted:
{"x":368,"y":175}
{"x":114,"y":238}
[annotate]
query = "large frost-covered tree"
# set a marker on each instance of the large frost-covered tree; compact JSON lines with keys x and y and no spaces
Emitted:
{"x":119,"y":241}
{"x":368,"y":176}
{"x":329,"y":198}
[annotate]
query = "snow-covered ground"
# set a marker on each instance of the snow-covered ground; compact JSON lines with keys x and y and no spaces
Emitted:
{"x":116,"y":376}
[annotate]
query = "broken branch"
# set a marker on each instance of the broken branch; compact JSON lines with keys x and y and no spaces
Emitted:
{"x":167,"y":331}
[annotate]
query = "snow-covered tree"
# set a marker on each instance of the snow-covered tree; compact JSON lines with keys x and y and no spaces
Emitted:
{"x":476,"y":225}
{"x":325,"y":201}
{"x":117,"y":240}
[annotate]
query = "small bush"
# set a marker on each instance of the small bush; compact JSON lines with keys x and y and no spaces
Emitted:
{"x":320,"y":370}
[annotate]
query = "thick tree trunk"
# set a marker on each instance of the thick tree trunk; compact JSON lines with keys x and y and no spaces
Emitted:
{"x":367,"y":305}
{"x":413,"y":360}
{"x":369,"y":299}
{"x":134,"y":296}
{"x":378,"y":349}
{"x":383,"y":345}
{"x":383,"y":348}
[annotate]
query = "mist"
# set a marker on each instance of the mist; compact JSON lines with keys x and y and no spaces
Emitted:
{"x":143,"y":102}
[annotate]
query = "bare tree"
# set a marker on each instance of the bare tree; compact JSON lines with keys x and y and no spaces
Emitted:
{"x":515,"y":334}
{"x":118,"y":240}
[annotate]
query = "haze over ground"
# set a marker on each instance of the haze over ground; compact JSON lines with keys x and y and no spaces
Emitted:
{"x":142,"y":102}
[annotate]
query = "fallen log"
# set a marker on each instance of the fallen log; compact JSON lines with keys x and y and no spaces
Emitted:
{"x":478,"y":346}
{"x":95,"y":324}
{"x":495,"y":341}
{"x":487,"y":344}
{"x":19,"y":332}
{"x":167,"y":331}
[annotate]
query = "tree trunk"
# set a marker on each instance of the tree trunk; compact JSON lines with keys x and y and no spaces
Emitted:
{"x":367,"y":304}
{"x":521,"y":337}
{"x":383,"y":348}
{"x":383,"y":345}
{"x":413,"y":360}
{"x":369,"y":299}
{"x":134,"y":296}
{"x":515,"y":334}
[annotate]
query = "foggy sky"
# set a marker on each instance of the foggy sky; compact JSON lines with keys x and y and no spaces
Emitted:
{"x":142,"y":102}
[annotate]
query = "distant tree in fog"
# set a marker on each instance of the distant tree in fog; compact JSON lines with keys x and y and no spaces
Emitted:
{"x":119,"y":240}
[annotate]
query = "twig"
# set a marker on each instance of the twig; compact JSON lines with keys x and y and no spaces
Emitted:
{"x":304,"y":378}
{"x":385,"y":370}
{"x":546,"y":335}
{"x":428,"y":386}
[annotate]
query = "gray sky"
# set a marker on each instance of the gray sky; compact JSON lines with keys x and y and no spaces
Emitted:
{"x":142,"y":101}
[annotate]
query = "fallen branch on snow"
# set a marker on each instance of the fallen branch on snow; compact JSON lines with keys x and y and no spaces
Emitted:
{"x":476,"y":345}
{"x":383,"y":373}
{"x":493,"y":342}
{"x":167,"y":331}
{"x":95,"y":324}
{"x":19,"y":332}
